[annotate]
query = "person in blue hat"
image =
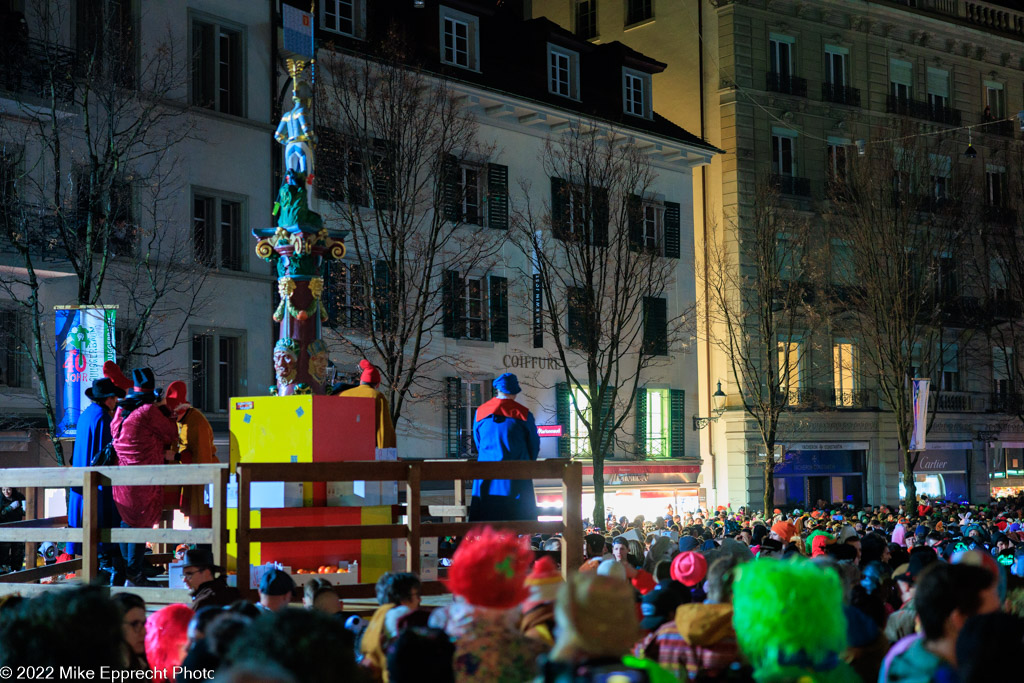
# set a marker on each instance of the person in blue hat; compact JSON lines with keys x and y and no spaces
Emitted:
{"x":504,"y":430}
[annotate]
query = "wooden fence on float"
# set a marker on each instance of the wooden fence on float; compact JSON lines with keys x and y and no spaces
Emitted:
{"x":412,"y":473}
{"x":35,"y":531}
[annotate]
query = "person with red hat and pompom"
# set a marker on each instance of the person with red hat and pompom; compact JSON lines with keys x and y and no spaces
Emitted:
{"x":538,"y":620}
{"x":369,"y":380}
{"x":195,"y":447}
{"x":489,"y":572}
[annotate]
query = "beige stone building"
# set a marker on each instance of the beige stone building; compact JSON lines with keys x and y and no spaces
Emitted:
{"x":788,"y":88}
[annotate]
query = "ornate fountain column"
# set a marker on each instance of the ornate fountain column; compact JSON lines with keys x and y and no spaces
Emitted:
{"x":300,"y":246}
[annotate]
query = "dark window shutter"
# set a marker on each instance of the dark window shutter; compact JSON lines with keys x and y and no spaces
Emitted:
{"x":450,"y":188}
{"x":641,"y":422}
{"x":599,"y":217}
{"x":635,"y":213}
{"x":382,"y":294}
{"x":538,"y":312}
{"x":677,"y":435}
{"x":608,"y":418}
{"x":655,"y":326}
{"x":383,"y":175}
{"x":453,"y":298}
{"x":498,"y":288}
{"x":562,"y":408}
{"x":672,"y":229}
{"x":331,"y":154}
{"x":453,"y":415}
{"x":559,"y":208}
{"x":497,"y":196}
{"x":577,"y":323}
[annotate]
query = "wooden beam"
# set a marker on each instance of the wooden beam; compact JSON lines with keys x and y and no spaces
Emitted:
{"x":42,"y":523}
{"x":140,"y":475}
{"x":412,"y":500}
{"x":90,"y":526}
{"x":463,"y":528}
{"x":36,"y":573}
{"x":219,"y":519}
{"x":242,"y":532}
{"x":166,"y":536}
{"x":324,"y":471}
{"x":572,"y":521}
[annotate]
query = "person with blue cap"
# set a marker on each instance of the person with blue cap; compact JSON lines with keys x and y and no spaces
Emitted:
{"x":504,"y":430}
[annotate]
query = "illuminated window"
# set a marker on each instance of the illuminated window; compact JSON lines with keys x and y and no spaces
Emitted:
{"x":579,"y":433}
{"x":789,"y":370}
{"x":658,"y":423}
{"x":844,"y":372}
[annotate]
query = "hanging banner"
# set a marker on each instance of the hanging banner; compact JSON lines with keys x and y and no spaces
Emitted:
{"x":85,"y":341}
{"x":920,"y":407}
{"x":298,"y":31}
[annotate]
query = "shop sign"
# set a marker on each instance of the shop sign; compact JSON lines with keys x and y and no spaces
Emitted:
{"x":524,"y":362}
{"x":549,"y":430}
{"x":832,"y":446}
{"x":646,"y":474}
{"x":942,"y":461}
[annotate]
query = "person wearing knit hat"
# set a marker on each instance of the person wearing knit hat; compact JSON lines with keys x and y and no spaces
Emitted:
{"x":369,"y":380}
{"x":538,"y":620}
{"x":195,"y":446}
{"x":489,"y":571}
{"x":783,"y":531}
{"x":597,"y":625}
{"x":504,"y":430}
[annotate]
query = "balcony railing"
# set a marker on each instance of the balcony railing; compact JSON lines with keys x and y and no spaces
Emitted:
{"x":1006,"y":403}
{"x":1001,"y":215}
{"x":852,"y":399}
{"x":39,"y":69}
{"x":943,"y":114}
{"x":904,"y":106}
{"x":959,"y":402}
{"x":791,"y":185}
{"x":840,"y":94}
{"x":786,"y":84}
{"x":1002,"y":128}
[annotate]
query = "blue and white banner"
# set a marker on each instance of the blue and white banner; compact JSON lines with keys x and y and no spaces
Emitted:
{"x":85,"y":341}
{"x":920,"y":406}
{"x":298,"y":31}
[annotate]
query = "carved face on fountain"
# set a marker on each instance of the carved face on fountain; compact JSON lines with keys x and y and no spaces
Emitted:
{"x":286,"y":360}
{"x":318,"y":357}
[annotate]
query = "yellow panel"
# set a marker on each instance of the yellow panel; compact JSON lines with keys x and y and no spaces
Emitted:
{"x":232,"y":548}
{"x":375,"y":555}
{"x":271,"y":429}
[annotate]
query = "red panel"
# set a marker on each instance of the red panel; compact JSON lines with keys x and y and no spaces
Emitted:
{"x":306,"y":555}
{"x":344,"y":429}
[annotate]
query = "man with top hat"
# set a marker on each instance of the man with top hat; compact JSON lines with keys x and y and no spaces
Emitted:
{"x":198,"y":575}
{"x":369,"y":380}
{"x":195,"y":447}
{"x":144,"y":434}
{"x":92,"y":435}
{"x":504,"y":430}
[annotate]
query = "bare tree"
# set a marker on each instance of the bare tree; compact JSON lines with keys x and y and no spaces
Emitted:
{"x":93,"y":134}
{"x":603,"y":286}
{"x":899,"y":222}
{"x":761,"y":286}
{"x":400,"y":163}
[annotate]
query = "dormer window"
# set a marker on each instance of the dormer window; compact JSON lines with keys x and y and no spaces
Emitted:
{"x":346,"y":17}
{"x":460,"y":44}
{"x":636,"y":93}
{"x":563,"y":72}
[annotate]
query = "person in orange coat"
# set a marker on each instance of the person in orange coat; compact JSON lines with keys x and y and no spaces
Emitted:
{"x":195,"y":447}
{"x":369,"y":380}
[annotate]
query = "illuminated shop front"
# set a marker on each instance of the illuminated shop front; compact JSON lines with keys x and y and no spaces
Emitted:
{"x":1006,"y":475}
{"x":642,"y":488}
{"x":832,"y":472}
{"x":943,"y":471}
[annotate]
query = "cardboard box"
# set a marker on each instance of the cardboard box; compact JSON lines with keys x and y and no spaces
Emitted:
{"x":275,"y":494}
{"x":175,"y":576}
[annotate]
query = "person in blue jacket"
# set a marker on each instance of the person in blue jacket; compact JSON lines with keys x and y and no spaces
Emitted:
{"x":504,"y":430}
{"x":92,"y":435}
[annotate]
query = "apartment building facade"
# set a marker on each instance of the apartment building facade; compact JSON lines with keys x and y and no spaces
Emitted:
{"x":788,"y":90}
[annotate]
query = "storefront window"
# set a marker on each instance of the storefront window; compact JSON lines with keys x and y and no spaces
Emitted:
{"x":930,"y":485}
{"x":657,"y":423}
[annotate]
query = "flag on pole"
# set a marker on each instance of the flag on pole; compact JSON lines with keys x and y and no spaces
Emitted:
{"x":298,"y":31}
{"x":920,"y":397}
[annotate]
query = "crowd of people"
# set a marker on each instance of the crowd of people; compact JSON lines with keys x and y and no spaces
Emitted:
{"x":830,"y":594}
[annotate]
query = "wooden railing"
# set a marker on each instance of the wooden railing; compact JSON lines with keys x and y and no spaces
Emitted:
{"x":412,"y":474}
{"x":91,"y":534}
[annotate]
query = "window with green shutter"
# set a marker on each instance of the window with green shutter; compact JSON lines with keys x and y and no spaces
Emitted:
{"x":655,"y":314}
{"x":497,"y":196}
{"x":677,"y":435}
{"x":498,"y":294}
{"x":672,"y":230}
{"x":454,"y":415}
{"x":658,"y":423}
{"x":640,"y":413}
{"x":563,"y":409}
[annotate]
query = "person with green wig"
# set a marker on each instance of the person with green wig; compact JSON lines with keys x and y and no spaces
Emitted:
{"x":789,"y":621}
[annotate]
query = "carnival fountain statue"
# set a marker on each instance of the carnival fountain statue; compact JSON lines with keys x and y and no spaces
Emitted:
{"x":300,"y":247}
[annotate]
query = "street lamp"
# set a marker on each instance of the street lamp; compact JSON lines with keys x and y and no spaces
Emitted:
{"x":717,"y":407}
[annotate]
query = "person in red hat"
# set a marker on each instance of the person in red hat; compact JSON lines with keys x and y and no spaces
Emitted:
{"x":489,"y":572}
{"x":369,"y":380}
{"x":195,"y":446}
{"x":538,"y":620}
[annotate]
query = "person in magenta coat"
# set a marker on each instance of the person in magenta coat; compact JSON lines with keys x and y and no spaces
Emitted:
{"x":144,"y":434}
